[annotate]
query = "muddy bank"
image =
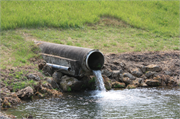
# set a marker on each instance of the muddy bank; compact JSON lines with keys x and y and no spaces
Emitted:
{"x":127,"y":70}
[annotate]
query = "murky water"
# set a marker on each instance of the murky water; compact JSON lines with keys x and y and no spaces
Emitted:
{"x":99,"y":80}
{"x":138,"y":103}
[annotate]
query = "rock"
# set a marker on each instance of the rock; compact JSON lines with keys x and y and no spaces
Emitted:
{"x":172,"y":82}
{"x":91,"y":83}
{"x":10,"y":88}
{"x":149,"y":74}
{"x":33,"y":76}
{"x":51,"y":92}
{"x":25,"y":93}
{"x":121,"y":77}
{"x":136,"y":72}
{"x":41,"y":64}
{"x":129,"y":76}
{"x":118,"y":85}
{"x":126,"y":80}
{"x":10,"y":99}
{"x":164,"y":79}
{"x":139,"y":80}
{"x":142,"y":67}
{"x":2,"y":85}
{"x":4,"y":92}
{"x":106,"y":72}
{"x":57,"y":76}
{"x":131,"y":86}
{"x":5,"y":116}
{"x":70,"y":83}
{"x":168,"y":73}
{"x":107,"y":82}
{"x":47,"y":85}
{"x":136,"y":82}
{"x":40,"y":95}
{"x":5,"y":103}
{"x":153,"y":67}
{"x":115,"y":73}
{"x":52,"y":82}
{"x":47,"y":70}
{"x":123,"y":65}
{"x":84,"y":81}
{"x":143,"y":84}
{"x":151,"y":82}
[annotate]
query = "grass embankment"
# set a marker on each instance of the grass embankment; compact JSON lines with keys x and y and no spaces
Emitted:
{"x":157,"y":16}
{"x":111,"y":26}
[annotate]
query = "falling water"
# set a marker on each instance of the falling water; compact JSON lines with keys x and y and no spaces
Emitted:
{"x":99,"y":80}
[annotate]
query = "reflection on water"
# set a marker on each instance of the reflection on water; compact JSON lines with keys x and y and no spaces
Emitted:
{"x":134,"y":103}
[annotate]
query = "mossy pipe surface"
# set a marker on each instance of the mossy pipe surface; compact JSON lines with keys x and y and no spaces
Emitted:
{"x":90,"y":59}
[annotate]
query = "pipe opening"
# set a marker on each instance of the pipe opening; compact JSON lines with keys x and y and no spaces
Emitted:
{"x":95,"y":60}
{"x":69,"y":69}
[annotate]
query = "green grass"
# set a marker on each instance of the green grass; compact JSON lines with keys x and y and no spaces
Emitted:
{"x":17,"y":45}
{"x":110,"y":26}
{"x":23,"y":84}
{"x":161,"y":17}
{"x":15,"y":50}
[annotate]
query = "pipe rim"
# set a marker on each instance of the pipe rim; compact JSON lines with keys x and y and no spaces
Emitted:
{"x":89,"y":54}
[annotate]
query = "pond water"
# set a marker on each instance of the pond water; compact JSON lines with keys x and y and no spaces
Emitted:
{"x":133,"y":103}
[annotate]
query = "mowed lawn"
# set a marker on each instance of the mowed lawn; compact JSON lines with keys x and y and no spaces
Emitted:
{"x":157,"y":16}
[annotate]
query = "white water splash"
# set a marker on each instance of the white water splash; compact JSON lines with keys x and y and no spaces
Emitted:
{"x":99,"y":80}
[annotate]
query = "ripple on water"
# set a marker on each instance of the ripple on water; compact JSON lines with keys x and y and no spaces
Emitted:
{"x":134,"y":103}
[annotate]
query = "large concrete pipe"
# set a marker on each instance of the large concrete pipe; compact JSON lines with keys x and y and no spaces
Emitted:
{"x":81,"y":61}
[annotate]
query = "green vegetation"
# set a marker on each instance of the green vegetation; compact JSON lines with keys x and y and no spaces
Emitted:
{"x":118,"y":86}
{"x":92,"y":80}
{"x":69,"y":89}
{"x":15,"y":50}
{"x":160,"y":17}
{"x":110,"y":26}
{"x":22,"y":84}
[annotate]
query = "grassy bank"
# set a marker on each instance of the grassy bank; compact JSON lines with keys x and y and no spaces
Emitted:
{"x":109,"y":36}
{"x":160,"y":17}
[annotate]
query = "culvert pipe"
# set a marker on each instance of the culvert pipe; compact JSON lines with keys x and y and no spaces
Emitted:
{"x":80,"y":60}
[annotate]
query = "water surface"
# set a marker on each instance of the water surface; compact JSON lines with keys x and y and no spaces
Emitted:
{"x":138,"y":103}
